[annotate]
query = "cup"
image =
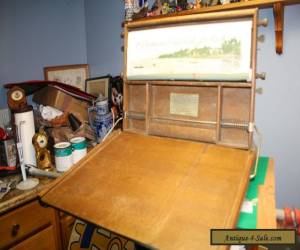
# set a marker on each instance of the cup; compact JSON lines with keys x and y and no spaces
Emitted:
{"x":63,"y":156}
{"x":79,"y":148}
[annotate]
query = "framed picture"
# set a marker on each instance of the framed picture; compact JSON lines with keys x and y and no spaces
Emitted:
{"x":74,"y":75}
{"x":99,"y":86}
{"x":190,"y":49}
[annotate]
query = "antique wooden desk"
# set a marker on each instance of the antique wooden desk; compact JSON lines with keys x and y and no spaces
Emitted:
{"x":161,"y":192}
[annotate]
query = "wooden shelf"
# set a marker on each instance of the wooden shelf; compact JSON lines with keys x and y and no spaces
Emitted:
{"x":277,"y":5}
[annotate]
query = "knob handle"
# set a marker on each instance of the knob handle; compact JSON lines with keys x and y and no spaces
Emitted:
{"x":264,"y":22}
{"x":261,"y":76}
{"x":15,"y":229}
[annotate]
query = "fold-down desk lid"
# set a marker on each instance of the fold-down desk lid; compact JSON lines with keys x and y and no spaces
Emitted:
{"x":165,"y":193}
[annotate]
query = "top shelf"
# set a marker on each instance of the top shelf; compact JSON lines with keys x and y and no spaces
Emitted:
{"x":240,"y":5}
{"x":230,"y":6}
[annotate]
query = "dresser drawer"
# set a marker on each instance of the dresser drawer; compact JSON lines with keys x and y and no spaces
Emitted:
{"x":24,"y":222}
{"x":43,"y":240}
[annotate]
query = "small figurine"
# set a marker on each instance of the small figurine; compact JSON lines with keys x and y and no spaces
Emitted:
{"x":129,"y":6}
{"x":182,"y":4}
{"x":42,"y":154}
{"x":156,"y":8}
{"x":165,"y":9}
{"x":190,"y":6}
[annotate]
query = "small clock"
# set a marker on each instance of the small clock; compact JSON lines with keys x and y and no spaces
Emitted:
{"x":16,"y":99}
{"x":42,"y":141}
{"x":43,"y":157}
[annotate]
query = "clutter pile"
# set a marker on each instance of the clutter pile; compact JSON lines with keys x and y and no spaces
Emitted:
{"x":135,"y":9}
{"x":56,"y":131}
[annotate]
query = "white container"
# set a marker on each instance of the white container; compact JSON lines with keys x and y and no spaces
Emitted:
{"x":79,"y":148}
{"x":26,"y":130}
{"x":63,"y":156}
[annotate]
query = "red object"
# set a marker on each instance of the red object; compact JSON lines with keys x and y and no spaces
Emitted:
{"x":3,"y":135}
{"x":8,"y":168}
{"x":288,"y":218}
{"x":297,"y":216}
{"x":32,"y":86}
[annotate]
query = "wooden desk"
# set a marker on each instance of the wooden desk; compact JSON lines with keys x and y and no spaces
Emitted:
{"x":266,"y":216}
{"x":162,"y":192}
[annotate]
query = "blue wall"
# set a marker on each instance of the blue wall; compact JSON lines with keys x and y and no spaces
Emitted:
{"x":103,"y":26}
{"x":278,"y":108}
{"x":38,"y":33}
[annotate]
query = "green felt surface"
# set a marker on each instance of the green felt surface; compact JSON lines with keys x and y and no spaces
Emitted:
{"x":249,"y":220}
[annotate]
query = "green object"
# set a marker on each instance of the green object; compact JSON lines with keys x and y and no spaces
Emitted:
{"x":78,"y":143}
{"x":249,"y":220}
{"x":62,"y":149}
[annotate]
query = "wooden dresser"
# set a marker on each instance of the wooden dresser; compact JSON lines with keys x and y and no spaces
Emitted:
{"x":30,"y":226}
{"x":26,"y":224}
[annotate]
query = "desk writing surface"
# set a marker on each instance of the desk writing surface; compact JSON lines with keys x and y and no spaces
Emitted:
{"x":164,"y":193}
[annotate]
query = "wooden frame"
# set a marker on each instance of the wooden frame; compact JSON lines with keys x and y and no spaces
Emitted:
{"x":97,"y":85}
{"x":74,"y":75}
{"x":227,"y":115}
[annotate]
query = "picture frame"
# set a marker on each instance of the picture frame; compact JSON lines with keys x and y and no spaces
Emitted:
{"x":99,"y":85}
{"x":74,"y":75}
{"x":190,"y":48}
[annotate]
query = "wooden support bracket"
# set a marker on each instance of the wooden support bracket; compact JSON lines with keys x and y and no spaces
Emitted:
{"x":278,"y":10}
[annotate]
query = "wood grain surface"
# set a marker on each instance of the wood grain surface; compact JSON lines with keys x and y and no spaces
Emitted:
{"x":165,"y":193}
{"x":266,"y":214}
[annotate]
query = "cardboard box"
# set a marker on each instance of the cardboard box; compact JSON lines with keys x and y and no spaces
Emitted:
{"x":51,"y":96}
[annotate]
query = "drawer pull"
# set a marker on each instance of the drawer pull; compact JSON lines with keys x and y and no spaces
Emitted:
{"x":15,"y":229}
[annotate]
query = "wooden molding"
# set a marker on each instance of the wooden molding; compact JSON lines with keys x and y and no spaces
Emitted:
{"x":278,"y":10}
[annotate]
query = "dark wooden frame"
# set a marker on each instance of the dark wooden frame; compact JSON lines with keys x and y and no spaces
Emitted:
{"x":106,"y":78}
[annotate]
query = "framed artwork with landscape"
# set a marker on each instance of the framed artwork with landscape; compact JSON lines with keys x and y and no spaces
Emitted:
{"x":190,"y":50}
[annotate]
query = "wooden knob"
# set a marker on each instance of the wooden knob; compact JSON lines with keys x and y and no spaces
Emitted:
{"x":259,"y":91}
{"x":261,"y":76}
{"x":15,"y":229}
{"x":261,"y":38}
{"x":264,"y":22}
